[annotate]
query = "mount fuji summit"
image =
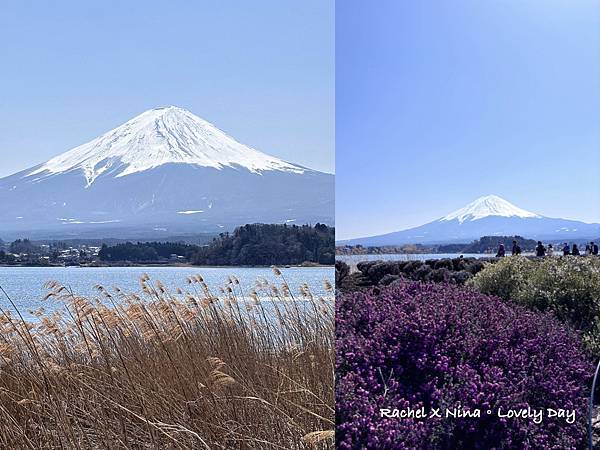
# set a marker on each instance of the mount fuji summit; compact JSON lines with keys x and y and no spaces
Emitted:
{"x":486,"y":216}
{"x":163,"y":172}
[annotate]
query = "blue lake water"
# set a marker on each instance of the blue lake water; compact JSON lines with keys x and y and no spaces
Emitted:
{"x":25,"y":285}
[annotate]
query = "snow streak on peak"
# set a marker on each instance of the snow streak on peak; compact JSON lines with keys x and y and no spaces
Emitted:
{"x":161,"y":136}
{"x":490,"y":205}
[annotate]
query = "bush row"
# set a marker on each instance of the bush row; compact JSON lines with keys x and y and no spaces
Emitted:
{"x":384,"y":273}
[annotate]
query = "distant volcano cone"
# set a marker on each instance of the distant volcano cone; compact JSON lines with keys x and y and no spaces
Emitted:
{"x":165,"y":171}
{"x":486,"y":216}
{"x":490,"y":205}
{"x":161,"y":136}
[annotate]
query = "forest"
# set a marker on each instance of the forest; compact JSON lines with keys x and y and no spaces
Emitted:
{"x":252,"y":245}
{"x":266,"y":244}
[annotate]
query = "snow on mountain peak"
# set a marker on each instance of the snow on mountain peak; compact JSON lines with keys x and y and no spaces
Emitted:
{"x":161,"y":136}
{"x":490,"y":205}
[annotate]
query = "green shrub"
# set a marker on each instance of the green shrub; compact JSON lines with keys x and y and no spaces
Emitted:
{"x":506,"y":278}
{"x":567,"y":286}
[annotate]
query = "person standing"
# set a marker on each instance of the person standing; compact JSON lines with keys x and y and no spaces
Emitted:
{"x":501,"y":251}
{"x":566,"y":249}
{"x":540,"y":250}
{"x":594,"y":249}
{"x":575,"y":250}
{"x":550,"y":251}
{"x":516,"y":250}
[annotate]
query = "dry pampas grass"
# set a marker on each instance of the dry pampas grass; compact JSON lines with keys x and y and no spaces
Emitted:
{"x":169,"y":370}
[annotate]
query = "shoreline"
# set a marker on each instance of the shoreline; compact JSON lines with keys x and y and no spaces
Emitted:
{"x":179,"y":265}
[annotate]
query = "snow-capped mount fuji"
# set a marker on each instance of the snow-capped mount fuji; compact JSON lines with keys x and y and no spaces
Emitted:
{"x":486,"y":216}
{"x":164,"y":171}
{"x":157,"y":137}
{"x":490,"y":205}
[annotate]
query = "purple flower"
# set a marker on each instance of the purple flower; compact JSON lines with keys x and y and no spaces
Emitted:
{"x":438,"y":346}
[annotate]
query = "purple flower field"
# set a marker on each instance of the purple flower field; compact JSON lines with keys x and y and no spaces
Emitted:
{"x":440,"y":346}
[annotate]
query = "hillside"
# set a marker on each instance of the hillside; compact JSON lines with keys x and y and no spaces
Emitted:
{"x":261,"y":244}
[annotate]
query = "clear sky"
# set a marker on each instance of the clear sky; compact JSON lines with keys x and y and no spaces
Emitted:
{"x":441,"y":102}
{"x":261,"y":70}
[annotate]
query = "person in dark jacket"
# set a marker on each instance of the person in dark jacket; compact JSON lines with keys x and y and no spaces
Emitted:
{"x":501,"y":251}
{"x":594,"y":248}
{"x":516,"y":250}
{"x":566,"y":249}
{"x":540,"y":250}
{"x":575,"y":250}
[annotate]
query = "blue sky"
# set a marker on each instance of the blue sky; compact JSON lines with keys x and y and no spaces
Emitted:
{"x":441,"y":102}
{"x":263,"y":71}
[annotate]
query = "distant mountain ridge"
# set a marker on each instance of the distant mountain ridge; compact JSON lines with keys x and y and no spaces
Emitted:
{"x":164,"y":172}
{"x":486,"y":216}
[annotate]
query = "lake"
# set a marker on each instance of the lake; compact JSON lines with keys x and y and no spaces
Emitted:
{"x":25,"y":285}
{"x":353,"y":259}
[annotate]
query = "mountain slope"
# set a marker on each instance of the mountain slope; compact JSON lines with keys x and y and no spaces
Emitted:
{"x":490,"y":205}
{"x":157,"y":137}
{"x":164,"y":171}
{"x":486,"y":216}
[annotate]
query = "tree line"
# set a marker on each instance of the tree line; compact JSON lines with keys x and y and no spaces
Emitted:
{"x":485,"y":244}
{"x":252,"y":244}
{"x":489,"y":244}
{"x":146,"y":251}
{"x":267,"y":244}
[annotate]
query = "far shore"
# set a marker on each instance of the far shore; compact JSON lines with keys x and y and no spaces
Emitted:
{"x":147,"y":264}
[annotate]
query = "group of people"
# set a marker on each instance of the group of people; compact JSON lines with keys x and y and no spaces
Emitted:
{"x":541,"y":250}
